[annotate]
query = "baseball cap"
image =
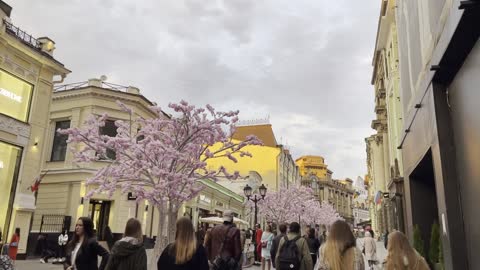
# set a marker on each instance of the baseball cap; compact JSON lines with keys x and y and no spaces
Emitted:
{"x":228,"y":216}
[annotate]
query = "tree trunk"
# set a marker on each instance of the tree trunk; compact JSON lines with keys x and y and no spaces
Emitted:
{"x":161,"y":242}
{"x":172,"y":222}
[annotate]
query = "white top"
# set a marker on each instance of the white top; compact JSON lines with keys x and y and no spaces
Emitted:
{"x":62,"y":239}
{"x":74,"y":254}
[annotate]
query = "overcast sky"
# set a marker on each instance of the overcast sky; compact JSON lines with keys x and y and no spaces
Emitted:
{"x":304,"y":63}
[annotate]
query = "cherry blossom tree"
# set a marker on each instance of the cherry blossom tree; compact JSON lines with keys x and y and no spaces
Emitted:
{"x":297,"y":204}
{"x":160,"y":159}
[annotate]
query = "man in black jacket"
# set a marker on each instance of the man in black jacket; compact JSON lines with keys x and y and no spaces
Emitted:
{"x":273,"y":251}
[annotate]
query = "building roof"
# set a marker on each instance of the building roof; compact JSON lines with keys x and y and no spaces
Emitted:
{"x":310,"y":156}
{"x":212,"y":184}
{"x":264,"y":132}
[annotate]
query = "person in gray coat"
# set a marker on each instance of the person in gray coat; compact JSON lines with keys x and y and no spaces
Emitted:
{"x":129,"y":253}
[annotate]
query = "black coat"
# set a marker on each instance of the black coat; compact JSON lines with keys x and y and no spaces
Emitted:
{"x":87,"y":257}
{"x":275,"y":242}
{"x":127,"y":256}
{"x":199,"y":260}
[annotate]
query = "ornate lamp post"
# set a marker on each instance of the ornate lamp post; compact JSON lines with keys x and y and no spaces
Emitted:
{"x":248,"y":193}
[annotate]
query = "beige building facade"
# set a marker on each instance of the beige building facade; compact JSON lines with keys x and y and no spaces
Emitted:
{"x":62,"y":198}
{"x":28,"y":72}
{"x":339,"y":193}
{"x":383,"y":156}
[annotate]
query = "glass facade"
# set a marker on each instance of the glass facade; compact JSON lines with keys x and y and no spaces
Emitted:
{"x":9,"y":164}
{"x":15,"y":96}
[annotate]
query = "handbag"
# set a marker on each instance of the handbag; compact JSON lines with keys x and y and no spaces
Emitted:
{"x":264,"y":244}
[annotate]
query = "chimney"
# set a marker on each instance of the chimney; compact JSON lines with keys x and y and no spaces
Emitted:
{"x":46,"y":45}
{"x":133,"y":90}
{"x":95,"y":82}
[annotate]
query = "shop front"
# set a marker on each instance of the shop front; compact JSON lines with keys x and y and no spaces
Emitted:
{"x":15,"y":98}
{"x":10,"y":156}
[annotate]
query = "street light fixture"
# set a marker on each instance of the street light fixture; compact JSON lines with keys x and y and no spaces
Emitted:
{"x":247,"y":190}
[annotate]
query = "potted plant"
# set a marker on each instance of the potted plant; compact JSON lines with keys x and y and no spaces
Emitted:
{"x":418,"y":241}
{"x":435,"y":251}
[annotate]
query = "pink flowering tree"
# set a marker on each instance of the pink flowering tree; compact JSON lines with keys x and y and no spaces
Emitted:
{"x":160,"y":159}
{"x":296,"y":204}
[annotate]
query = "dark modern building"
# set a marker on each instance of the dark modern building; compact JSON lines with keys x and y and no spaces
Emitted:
{"x":440,"y":78}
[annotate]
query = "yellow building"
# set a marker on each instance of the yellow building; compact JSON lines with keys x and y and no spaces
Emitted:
{"x":271,"y":164}
{"x":312,"y":165}
{"x":27,"y":71}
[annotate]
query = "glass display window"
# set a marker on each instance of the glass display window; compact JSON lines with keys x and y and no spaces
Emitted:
{"x":10,"y":156}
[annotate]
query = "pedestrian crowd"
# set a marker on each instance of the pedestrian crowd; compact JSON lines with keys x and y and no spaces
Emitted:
{"x":282,"y":247}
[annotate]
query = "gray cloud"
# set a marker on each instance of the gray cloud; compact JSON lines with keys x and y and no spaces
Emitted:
{"x":305,"y":63}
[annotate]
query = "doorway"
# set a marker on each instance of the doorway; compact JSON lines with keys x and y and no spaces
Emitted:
{"x":99,"y":212}
{"x":424,"y":198}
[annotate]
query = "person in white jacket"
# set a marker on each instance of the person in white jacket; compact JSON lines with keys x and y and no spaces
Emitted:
{"x":370,"y":249}
{"x":62,"y":242}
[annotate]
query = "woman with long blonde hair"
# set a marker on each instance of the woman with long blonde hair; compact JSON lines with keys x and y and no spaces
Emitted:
{"x":185,"y":253}
{"x":340,"y":251}
{"x":402,"y":256}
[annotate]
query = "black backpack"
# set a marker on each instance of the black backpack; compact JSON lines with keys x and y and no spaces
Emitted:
{"x":289,"y":255}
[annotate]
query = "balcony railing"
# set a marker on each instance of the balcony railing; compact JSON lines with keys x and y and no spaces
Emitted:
{"x":21,"y":35}
{"x":78,"y":85}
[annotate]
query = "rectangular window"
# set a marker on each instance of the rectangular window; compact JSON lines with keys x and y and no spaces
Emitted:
{"x":59,"y":148}
{"x":15,"y":96}
{"x":109,"y":130}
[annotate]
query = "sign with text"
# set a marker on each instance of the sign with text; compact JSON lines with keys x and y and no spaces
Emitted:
{"x":15,"y":96}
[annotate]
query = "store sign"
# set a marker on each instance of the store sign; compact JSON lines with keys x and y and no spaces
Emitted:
{"x":15,"y":96}
{"x":10,"y":95}
{"x":219,"y":204}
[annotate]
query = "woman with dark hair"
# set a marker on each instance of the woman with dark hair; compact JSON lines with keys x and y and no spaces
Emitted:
{"x":13,"y":246}
{"x":83,"y":250}
{"x":185,"y":253}
{"x":129,"y":253}
{"x":340,"y":251}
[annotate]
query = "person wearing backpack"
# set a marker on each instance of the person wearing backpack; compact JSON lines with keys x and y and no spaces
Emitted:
{"x":293,"y":252}
{"x":223,"y":245}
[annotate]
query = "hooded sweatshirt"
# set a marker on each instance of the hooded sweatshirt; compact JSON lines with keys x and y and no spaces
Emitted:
{"x":127,"y":254}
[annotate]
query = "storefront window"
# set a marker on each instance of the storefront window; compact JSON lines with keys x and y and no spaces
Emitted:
{"x":15,"y":96}
{"x":9,"y":164}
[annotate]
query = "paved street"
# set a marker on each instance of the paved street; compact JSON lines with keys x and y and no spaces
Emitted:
{"x":36,"y":265}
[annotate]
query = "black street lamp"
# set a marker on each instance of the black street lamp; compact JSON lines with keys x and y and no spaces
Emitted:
{"x":248,"y":193}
